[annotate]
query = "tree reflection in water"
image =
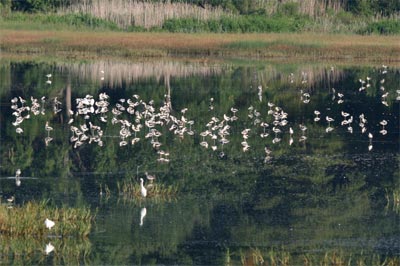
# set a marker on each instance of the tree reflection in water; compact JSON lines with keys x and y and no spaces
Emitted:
{"x":325,"y":194}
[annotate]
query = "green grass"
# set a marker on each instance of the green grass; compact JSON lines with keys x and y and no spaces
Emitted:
{"x":29,"y":220}
{"x":52,"y":21}
{"x":240,"y":24}
{"x":385,"y":27}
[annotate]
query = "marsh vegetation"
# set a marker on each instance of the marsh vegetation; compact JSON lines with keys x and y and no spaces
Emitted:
{"x":29,"y":220}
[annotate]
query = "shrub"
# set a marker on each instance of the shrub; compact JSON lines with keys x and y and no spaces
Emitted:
{"x":239,"y":24}
{"x":76,"y":20}
{"x":185,"y":25}
{"x":344,"y":17}
{"x":382,"y":27}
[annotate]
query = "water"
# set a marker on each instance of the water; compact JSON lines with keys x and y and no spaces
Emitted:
{"x":328,"y":196}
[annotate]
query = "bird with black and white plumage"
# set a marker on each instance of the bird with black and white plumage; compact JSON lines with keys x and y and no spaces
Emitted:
{"x":149,"y":177}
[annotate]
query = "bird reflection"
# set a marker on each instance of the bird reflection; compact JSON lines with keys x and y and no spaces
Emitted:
{"x":143,"y":213}
{"x":17,"y":177}
{"x":49,"y":248}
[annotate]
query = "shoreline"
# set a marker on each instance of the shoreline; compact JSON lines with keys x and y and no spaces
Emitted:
{"x":274,"y":46}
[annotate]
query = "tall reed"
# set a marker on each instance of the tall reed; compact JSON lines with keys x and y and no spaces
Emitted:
{"x":145,"y":14}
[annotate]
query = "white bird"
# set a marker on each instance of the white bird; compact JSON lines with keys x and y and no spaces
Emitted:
{"x":151,"y":178}
{"x":143,"y":190}
{"x":143,"y":213}
{"x":10,"y":200}
{"x":49,"y":223}
{"x":49,"y":248}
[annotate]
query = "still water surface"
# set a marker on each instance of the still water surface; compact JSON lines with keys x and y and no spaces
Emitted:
{"x":279,"y":183}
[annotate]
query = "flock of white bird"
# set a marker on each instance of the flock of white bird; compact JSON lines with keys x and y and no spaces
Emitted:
{"x":140,"y":120}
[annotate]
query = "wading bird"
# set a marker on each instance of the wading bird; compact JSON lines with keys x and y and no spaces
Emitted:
{"x":143,"y":190}
{"x":151,"y":178}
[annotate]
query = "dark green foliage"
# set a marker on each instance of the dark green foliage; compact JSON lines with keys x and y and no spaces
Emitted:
{"x":385,"y":7}
{"x":38,"y":5}
{"x":373,"y":7}
{"x":389,"y":26}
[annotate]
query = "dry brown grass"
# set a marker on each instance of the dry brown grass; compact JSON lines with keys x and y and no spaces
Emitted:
{"x":146,"y":14}
{"x":300,"y":46}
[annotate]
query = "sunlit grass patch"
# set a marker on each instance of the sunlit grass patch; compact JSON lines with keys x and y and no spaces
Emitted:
{"x":29,"y":220}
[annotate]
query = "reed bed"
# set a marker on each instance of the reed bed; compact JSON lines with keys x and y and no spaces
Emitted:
{"x":144,"y":14}
{"x":29,"y":220}
{"x":148,"y":14}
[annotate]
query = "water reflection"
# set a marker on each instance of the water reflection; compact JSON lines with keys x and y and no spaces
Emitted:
{"x":276,"y":185}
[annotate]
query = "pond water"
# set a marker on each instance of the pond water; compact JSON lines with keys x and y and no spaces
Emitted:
{"x":261,"y":177}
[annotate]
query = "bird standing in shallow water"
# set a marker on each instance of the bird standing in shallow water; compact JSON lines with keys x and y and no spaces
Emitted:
{"x":143,"y":190}
{"x":151,"y":178}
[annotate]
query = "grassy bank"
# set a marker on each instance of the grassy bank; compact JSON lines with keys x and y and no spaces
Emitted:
{"x":85,"y":44}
